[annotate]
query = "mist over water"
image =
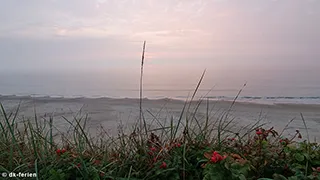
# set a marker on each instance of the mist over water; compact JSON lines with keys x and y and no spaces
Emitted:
{"x":262,"y":86}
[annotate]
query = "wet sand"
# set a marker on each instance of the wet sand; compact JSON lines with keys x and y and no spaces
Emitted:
{"x":109,"y":113}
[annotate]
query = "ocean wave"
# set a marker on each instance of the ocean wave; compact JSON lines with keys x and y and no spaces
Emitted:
{"x":271,"y":100}
{"x":265,"y":97}
{"x":249,"y":99}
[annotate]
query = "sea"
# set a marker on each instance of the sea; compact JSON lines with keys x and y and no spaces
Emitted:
{"x":271,"y":86}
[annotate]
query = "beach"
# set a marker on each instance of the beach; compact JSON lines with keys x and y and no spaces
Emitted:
{"x":112,"y":113}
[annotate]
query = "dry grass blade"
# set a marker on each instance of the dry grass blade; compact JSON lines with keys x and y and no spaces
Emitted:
{"x":305,"y":126}
{"x":82,"y":132}
{"x":192,"y":97}
{"x":287,"y":125}
{"x":141,"y":90}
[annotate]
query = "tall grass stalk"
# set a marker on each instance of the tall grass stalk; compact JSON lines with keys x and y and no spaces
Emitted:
{"x":141,"y":119}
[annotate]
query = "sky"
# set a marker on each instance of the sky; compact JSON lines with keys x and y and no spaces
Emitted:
{"x":107,"y":35}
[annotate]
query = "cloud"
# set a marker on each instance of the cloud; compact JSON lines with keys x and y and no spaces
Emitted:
{"x":174,"y":29}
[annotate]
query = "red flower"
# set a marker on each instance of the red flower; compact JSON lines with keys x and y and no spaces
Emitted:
{"x":219,"y":157}
{"x":153,"y":149}
{"x":78,"y":165}
{"x":58,"y":151}
{"x":155,"y":159}
{"x":224,"y":157}
{"x":178,"y":145}
{"x":150,"y":153}
{"x":318,"y":169}
{"x":163,"y":165}
{"x":259,"y":132}
{"x":216,"y":157}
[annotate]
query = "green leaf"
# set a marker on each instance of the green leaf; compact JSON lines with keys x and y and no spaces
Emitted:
{"x":307,"y":156}
{"x":227,"y":166}
{"x":299,"y":157}
{"x":293,"y":178}
{"x":286,"y":150}
{"x":279,"y":177}
{"x":242,"y":177}
{"x":214,"y":176}
{"x":315,"y":162}
{"x":264,"y":143}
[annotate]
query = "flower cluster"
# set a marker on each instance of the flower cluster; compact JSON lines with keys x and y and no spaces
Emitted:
{"x":216,"y":157}
{"x":163,"y":165}
{"x":153,"y":149}
{"x":60,"y":151}
{"x":213,"y":157}
{"x":266,"y":132}
{"x":259,"y":131}
{"x":177,"y":145}
{"x":231,"y":139}
{"x":152,"y":152}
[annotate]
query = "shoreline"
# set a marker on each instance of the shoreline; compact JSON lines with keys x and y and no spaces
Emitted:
{"x":109,"y":112}
{"x":237,"y":101}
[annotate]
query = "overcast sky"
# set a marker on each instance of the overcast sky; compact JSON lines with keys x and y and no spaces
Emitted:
{"x":108,"y":34}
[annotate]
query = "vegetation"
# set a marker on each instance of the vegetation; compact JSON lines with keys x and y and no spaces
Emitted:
{"x":205,"y":149}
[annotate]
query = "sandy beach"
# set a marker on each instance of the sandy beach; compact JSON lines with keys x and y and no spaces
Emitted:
{"x":110,"y":113}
